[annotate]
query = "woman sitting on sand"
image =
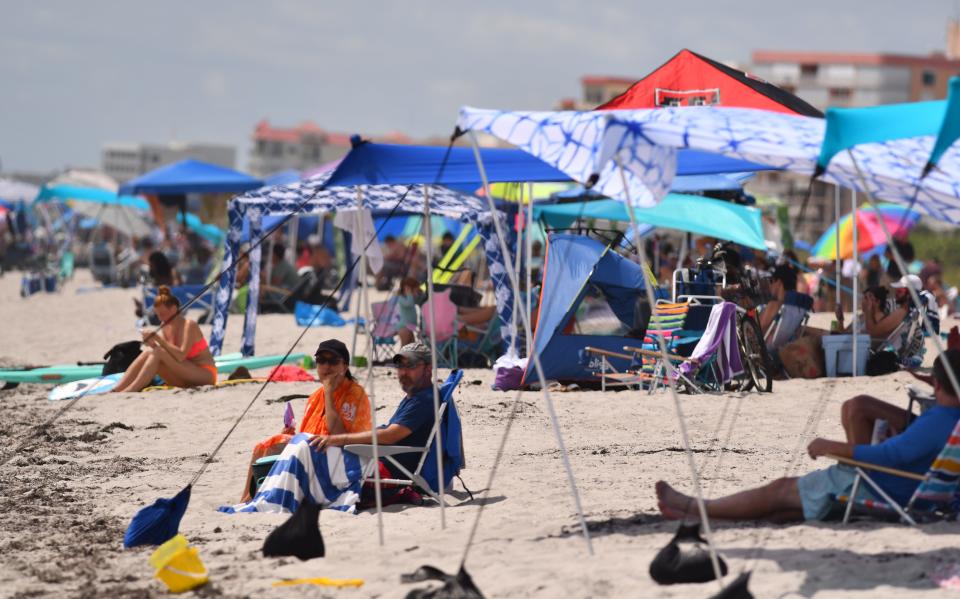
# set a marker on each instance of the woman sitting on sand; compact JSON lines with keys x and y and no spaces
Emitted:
{"x":177,"y":351}
{"x":340,"y":405}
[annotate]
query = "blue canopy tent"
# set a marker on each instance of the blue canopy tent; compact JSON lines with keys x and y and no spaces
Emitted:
{"x":692,"y":214}
{"x":589,"y":297}
{"x":190,"y":176}
{"x":370,"y":163}
{"x":456,"y":167}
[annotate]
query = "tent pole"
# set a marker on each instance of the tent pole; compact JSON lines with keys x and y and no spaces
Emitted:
{"x":371,"y":394}
{"x":648,"y":289}
{"x":428,"y":243}
{"x":836,"y":219}
{"x":518,"y":253}
{"x":528,"y":229}
{"x":856,"y":279}
{"x":551,"y":409}
{"x":902,"y":265}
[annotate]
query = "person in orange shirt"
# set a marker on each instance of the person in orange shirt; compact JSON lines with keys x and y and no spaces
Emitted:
{"x":339,"y":406}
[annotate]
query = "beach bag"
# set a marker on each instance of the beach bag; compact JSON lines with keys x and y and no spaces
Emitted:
{"x":120,"y":357}
{"x":803,"y":358}
{"x":882,"y":362}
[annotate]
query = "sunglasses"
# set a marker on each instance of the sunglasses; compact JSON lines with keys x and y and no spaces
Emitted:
{"x":327,"y":360}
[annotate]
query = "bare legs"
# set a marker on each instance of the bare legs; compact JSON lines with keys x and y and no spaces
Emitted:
{"x":778,"y":501}
{"x":405,"y":335}
{"x":140,"y":372}
{"x":860,"y":413}
{"x":152,"y":362}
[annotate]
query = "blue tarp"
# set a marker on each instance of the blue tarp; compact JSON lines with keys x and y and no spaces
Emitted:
{"x":371,"y":163}
{"x":692,"y":214}
{"x":190,"y":176}
{"x":573,"y":261}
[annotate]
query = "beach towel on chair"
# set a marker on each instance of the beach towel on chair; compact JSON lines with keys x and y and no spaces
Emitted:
{"x":329,"y":478}
{"x":719,"y":338}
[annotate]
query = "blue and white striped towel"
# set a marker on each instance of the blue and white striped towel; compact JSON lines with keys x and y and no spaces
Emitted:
{"x":330,"y":478}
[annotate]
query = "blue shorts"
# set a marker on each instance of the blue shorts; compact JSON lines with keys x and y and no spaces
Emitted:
{"x":820,"y":487}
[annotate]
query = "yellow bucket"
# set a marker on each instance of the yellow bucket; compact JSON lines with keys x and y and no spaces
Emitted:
{"x":178,"y":565}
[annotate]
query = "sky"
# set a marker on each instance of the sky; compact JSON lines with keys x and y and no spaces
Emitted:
{"x":75,"y":75}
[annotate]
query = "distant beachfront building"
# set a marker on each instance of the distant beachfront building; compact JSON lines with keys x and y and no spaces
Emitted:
{"x":596,"y":90}
{"x":125,"y":161}
{"x":302,"y":147}
{"x":845,"y":79}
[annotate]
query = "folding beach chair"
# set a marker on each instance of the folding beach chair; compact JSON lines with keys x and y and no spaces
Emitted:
{"x":667,"y":322}
{"x":445,"y":315}
{"x":424,"y":477}
{"x":611,"y":377}
{"x":386,"y":319}
{"x":791,"y":318}
{"x":935,"y":499}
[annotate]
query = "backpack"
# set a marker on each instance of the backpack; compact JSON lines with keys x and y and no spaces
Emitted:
{"x":120,"y":357}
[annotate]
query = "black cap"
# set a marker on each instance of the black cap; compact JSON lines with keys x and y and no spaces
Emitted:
{"x":336,"y":347}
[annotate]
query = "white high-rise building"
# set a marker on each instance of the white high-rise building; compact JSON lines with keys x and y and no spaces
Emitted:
{"x":125,"y":161}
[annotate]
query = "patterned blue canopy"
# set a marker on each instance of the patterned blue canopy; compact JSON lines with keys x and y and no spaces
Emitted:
{"x":310,"y":197}
{"x":379,"y":199}
{"x":585,"y":145}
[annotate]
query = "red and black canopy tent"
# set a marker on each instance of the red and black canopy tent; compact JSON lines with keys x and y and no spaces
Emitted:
{"x":691,"y":79}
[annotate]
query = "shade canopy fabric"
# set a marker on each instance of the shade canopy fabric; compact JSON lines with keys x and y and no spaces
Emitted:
{"x":321,"y":196}
{"x":371,"y":163}
{"x":17,"y":191}
{"x":190,"y":176}
{"x":899,"y":221}
{"x":646,"y":142}
{"x":692,"y":214}
{"x":691,"y":79}
{"x":313,"y":196}
{"x":126,"y":214}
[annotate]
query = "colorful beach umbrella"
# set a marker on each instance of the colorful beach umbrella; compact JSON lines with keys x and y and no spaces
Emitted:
{"x":869,"y":230}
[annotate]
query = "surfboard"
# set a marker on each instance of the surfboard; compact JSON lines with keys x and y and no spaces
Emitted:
{"x":72,"y":389}
{"x":85,"y":387}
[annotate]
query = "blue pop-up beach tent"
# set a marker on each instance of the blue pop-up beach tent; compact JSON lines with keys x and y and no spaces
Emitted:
{"x":576,"y":267}
{"x":190,"y":176}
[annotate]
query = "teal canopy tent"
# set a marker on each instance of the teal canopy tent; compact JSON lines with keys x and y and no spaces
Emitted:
{"x":692,"y":214}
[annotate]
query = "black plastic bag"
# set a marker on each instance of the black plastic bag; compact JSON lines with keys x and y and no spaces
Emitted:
{"x":299,"y":536}
{"x":686,"y":558}
{"x":120,"y":357}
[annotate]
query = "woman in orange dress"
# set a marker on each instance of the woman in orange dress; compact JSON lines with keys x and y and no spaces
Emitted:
{"x":340,"y":405}
{"x":177,"y":352}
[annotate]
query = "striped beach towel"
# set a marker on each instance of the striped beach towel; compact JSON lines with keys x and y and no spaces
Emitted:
{"x":940,"y":488}
{"x":330,"y":478}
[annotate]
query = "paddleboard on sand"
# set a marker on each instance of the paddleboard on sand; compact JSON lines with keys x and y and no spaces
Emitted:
{"x":92,"y":386}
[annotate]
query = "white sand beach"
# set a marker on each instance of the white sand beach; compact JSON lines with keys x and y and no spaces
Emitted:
{"x":66,"y":499}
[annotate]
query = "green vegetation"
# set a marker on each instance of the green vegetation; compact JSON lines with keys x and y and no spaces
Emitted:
{"x":944,"y":245}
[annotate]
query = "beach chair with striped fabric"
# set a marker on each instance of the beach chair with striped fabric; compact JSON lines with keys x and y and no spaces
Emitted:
{"x":667,"y":322}
{"x":936,"y":498}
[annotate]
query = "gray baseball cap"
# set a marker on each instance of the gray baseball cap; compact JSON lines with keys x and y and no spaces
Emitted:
{"x":414,"y":353}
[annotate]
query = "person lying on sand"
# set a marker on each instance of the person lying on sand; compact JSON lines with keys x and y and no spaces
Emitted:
{"x":177,"y":352}
{"x":340,"y":405}
{"x":809,"y":497}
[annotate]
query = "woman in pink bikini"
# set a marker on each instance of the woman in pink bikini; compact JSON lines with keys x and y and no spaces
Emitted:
{"x":178,"y":353}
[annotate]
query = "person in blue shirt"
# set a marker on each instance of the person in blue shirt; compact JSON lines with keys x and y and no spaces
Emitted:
{"x":809,"y":497}
{"x":413,"y":420}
